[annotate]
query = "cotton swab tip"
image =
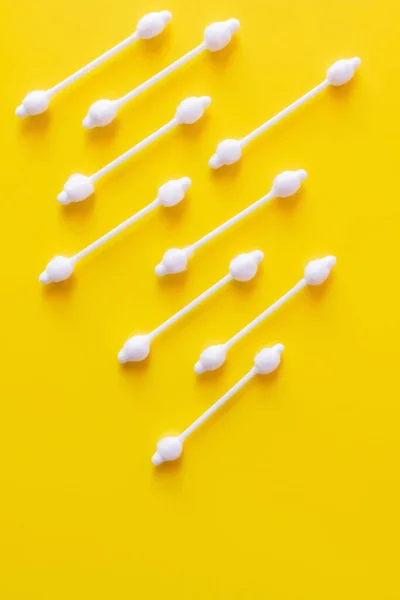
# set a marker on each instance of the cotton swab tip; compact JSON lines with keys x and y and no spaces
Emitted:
{"x":63,"y":197}
{"x":44,"y":278}
{"x":198,"y":368}
{"x":258,"y":256}
{"x":20,"y":111}
{"x":156,"y":459}
{"x":87,"y":123}
{"x":302,"y":174}
{"x":166,"y":16}
{"x":206,"y":100}
{"x":122,"y":357}
{"x":214,"y":162}
{"x":186,"y":182}
{"x":355,"y":62}
{"x":160,"y":270}
{"x":279,"y":348}
{"x":234,"y":25}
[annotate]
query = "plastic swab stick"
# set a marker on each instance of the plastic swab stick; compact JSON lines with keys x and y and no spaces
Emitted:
{"x":315,"y":273}
{"x":230,"y":151}
{"x":148,"y":27}
{"x":170,"y":448}
{"x":61,"y":268}
{"x":79,"y":187}
{"x":216,"y":37}
{"x":242,"y":268}
{"x":175,"y":260}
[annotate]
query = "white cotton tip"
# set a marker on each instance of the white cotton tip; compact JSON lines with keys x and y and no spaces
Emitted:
{"x":168,"y":449}
{"x":227,"y":153}
{"x":59,"y":269}
{"x":63,"y":197}
{"x":288,"y":183}
{"x":77,"y":188}
{"x":137,"y":348}
{"x":152,"y":24}
{"x":192,"y":109}
{"x":245,"y":266}
{"x":342,"y":71}
{"x":173,"y":192}
{"x":34,"y":103}
{"x":268,"y":359}
{"x":174,"y":261}
{"x":100,"y":114}
{"x":20,"y":111}
{"x":218,"y":35}
{"x":211,"y":359}
{"x":317,"y":271}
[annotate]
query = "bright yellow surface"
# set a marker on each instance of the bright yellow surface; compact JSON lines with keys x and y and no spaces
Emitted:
{"x":293,"y":493}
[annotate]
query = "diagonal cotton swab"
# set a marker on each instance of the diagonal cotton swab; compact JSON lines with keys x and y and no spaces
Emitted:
{"x":242,"y":268}
{"x":315,"y":273}
{"x":216,"y":37}
{"x":79,"y":187}
{"x":61,"y":268}
{"x":148,"y":27}
{"x":175,"y":260}
{"x":230,"y":151}
{"x":170,"y":448}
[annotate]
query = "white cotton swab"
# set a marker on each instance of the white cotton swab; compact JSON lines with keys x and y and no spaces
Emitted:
{"x":230,"y":151}
{"x":175,"y":260}
{"x":216,"y":37}
{"x":242,"y":268}
{"x":61,"y":268}
{"x":148,"y":27}
{"x":315,"y":273}
{"x":79,"y":187}
{"x":170,"y":448}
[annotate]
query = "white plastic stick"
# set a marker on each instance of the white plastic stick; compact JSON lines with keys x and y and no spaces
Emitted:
{"x":176,"y":260}
{"x":315,"y":273}
{"x":79,"y":187}
{"x":242,"y":268}
{"x":170,"y":448}
{"x":61,"y":268}
{"x":230,"y":151}
{"x":148,"y":27}
{"x":216,"y":37}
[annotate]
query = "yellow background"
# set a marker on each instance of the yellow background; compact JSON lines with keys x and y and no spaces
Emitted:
{"x":293,"y":492}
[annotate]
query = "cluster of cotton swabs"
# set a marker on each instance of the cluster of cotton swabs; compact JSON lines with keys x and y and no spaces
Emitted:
{"x":175,"y":260}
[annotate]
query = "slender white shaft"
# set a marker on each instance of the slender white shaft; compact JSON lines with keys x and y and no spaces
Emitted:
{"x":232,"y":221}
{"x":93,"y":64}
{"x":110,"y":234}
{"x":299,"y":286}
{"x":283,"y":113}
{"x":210,"y":411}
{"x":151,"y":138}
{"x":181,"y":313}
{"x":173,"y":67}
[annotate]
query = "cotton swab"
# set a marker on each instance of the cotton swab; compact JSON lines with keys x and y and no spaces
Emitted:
{"x":170,"y":448}
{"x":216,"y":37}
{"x":79,"y":187}
{"x":315,"y":273}
{"x":148,"y":27}
{"x":230,"y":151}
{"x":242,"y":268}
{"x":175,"y":260}
{"x":61,"y":268}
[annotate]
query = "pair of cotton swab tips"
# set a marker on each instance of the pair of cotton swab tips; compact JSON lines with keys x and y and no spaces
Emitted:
{"x":170,"y":194}
{"x":230,"y":151}
{"x":175,"y":260}
{"x":170,"y":448}
{"x":79,"y":187}
{"x":148,"y":27}
{"x":216,"y":37}
{"x":242,"y":268}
